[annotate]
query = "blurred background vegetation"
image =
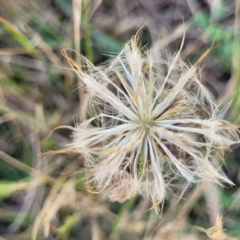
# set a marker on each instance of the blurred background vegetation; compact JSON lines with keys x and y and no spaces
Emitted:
{"x":44,"y":197}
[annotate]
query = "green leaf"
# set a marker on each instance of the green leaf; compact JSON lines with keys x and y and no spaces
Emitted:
{"x":201,"y":19}
{"x":7,"y":188}
{"x":219,"y":13}
{"x":65,"y":6}
{"x":10,"y":216}
{"x":19,"y":36}
{"x":106,"y":41}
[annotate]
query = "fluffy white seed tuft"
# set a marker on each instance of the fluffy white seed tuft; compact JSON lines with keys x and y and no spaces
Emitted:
{"x":150,"y":122}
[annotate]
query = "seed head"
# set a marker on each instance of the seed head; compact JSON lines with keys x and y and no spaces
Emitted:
{"x":150,"y":123}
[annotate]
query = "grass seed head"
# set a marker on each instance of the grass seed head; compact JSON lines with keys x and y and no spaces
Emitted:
{"x":150,"y":122}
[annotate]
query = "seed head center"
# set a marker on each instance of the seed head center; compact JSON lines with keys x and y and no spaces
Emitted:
{"x":146,"y":124}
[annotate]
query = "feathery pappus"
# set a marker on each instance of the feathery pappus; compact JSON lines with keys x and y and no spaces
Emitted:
{"x":150,"y":122}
